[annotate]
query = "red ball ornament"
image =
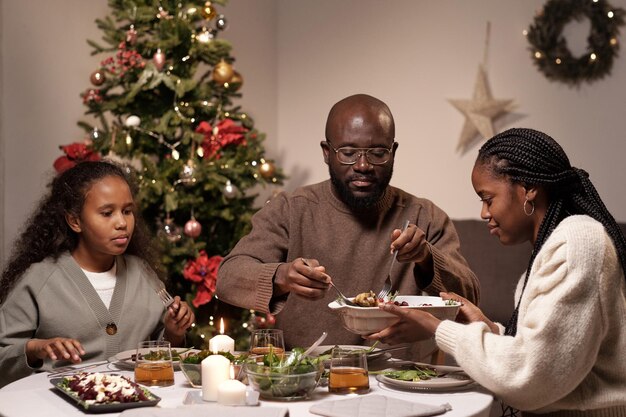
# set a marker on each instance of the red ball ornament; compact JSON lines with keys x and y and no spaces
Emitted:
{"x":193,"y":228}
{"x":97,"y":78}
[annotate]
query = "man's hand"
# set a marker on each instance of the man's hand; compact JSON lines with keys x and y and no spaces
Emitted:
{"x":58,"y":348}
{"x":412,"y":246}
{"x":306,"y":278}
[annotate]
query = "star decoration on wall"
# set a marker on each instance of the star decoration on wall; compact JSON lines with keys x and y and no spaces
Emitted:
{"x":480,"y":112}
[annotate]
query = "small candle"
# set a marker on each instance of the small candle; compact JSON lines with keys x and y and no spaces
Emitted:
{"x":231,"y":392}
{"x":221,"y":342}
{"x":215,"y":370}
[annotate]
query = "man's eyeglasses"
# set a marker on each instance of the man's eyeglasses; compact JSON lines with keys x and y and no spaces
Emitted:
{"x":348,"y":155}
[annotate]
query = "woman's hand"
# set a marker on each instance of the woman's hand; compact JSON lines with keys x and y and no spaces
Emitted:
{"x":469,"y":313}
{"x":178,"y":319}
{"x":414,"y":325}
{"x":58,"y":348}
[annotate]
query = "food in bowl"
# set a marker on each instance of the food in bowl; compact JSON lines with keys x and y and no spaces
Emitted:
{"x":192,"y":368}
{"x":368,"y":320}
{"x":288,"y":377}
{"x":369,"y":299}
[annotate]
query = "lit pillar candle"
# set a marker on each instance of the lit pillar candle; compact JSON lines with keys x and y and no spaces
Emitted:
{"x":215,"y":370}
{"x":221,"y":342}
{"x":231,"y":392}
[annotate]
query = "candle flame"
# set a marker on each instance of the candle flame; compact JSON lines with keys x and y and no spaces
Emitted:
{"x":222,"y":325}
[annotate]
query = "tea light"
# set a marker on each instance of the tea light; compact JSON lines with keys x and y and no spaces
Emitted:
{"x":231,"y":392}
{"x":215,"y":370}
{"x":222,"y":342}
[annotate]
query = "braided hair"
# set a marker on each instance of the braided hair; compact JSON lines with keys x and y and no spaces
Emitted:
{"x":531,"y":157}
{"x":47,"y":234}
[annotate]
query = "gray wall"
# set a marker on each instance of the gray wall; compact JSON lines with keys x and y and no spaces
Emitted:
{"x":299,"y":57}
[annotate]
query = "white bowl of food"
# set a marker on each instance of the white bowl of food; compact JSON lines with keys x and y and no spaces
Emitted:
{"x":368,"y":320}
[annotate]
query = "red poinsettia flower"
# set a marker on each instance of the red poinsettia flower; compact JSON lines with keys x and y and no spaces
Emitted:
{"x":203,"y":271}
{"x":74,"y":153}
{"x":227,"y":132}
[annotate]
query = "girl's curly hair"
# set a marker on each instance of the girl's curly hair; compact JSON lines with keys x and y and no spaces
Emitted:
{"x":47,"y":233}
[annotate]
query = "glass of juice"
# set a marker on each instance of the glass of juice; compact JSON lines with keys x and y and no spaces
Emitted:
{"x":348,"y":371}
{"x":153,"y":364}
{"x":262,"y":341}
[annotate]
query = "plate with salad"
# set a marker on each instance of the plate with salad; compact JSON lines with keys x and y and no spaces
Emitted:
{"x":126,"y":359}
{"x":421,"y":376}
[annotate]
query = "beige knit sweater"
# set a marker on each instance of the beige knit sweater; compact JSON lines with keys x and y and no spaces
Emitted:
{"x":570,"y":349}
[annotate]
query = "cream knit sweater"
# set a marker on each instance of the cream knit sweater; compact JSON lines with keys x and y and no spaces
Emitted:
{"x":570,"y":349}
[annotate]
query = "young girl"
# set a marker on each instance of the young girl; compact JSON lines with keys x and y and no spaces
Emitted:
{"x":77,"y":285}
{"x":563,"y":353}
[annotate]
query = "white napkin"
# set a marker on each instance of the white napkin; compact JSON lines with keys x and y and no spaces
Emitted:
{"x":206,"y":410}
{"x":376,"y":406}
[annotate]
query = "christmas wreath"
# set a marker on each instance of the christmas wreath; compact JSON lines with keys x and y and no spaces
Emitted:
{"x":549,"y":47}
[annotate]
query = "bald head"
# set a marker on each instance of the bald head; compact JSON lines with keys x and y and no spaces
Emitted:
{"x":357,"y":112}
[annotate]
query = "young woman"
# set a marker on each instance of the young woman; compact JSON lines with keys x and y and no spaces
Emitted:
{"x":77,"y":285}
{"x":563,"y":353}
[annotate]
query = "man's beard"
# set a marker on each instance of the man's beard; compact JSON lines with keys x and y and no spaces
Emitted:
{"x":365,"y":202}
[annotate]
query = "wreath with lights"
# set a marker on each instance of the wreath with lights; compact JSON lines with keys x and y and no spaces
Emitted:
{"x":549,"y":48}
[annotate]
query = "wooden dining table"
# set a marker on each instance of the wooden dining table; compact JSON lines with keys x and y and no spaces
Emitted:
{"x":36,"y":396}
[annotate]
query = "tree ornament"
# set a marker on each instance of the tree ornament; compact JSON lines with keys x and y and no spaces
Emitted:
{"x":221,"y":23}
{"x":549,"y":49}
{"x":230,"y":191}
{"x":267,"y":170}
{"x":171,"y":231}
{"x":193,"y":228}
{"x":97,"y":77}
{"x":222,"y":72}
{"x":236,"y":81}
{"x":188,"y":172}
{"x":94,"y":135}
{"x":163,"y":14}
{"x":208,"y":11}
{"x":132,"y":121}
{"x":159,"y":59}
{"x":131,"y":35}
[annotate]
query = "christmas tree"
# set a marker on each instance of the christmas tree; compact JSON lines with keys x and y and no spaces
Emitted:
{"x":162,"y":104}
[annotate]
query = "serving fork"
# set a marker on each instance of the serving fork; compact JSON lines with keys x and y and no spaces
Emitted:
{"x":345,"y":300}
{"x":387,"y":286}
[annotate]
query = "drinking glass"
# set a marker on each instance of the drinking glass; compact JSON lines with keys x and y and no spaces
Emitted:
{"x":348,"y":372}
{"x":153,"y":364}
{"x":264,"y":340}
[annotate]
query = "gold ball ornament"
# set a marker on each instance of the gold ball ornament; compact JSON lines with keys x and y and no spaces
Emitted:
{"x":267,"y":170}
{"x":97,"y":77}
{"x":208,"y":11}
{"x":222,"y":72}
{"x":193,"y":228}
{"x":236,"y":81}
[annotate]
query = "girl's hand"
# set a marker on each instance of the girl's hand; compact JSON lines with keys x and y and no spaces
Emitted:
{"x":469,"y":313}
{"x":58,"y":348}
{"x":178,"y":319}
{"x":414,"y":325}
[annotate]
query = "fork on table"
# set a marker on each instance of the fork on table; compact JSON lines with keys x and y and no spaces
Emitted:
{"x":387,"y":286}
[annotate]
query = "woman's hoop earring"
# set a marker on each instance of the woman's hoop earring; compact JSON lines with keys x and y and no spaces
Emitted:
{"x":532,"y":208}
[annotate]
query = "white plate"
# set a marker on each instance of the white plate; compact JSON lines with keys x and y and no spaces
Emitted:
{"x":124,"y":360}
{"x":449,"y":382}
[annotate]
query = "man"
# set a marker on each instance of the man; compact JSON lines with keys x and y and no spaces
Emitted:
{"x":345,"y":230}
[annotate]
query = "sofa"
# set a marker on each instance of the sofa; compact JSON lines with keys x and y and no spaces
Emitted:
{"x":497,"y":267}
